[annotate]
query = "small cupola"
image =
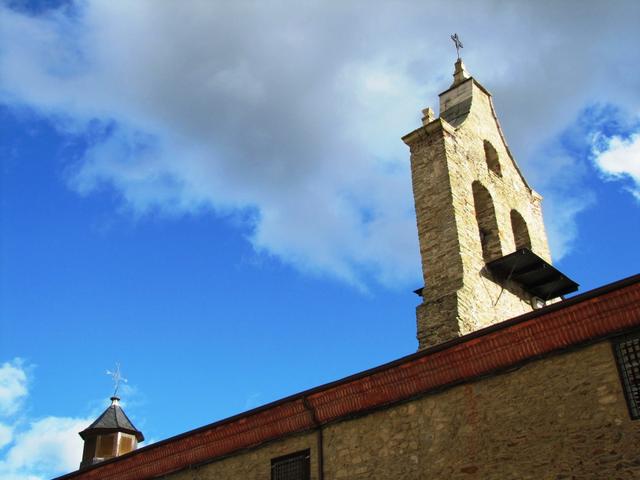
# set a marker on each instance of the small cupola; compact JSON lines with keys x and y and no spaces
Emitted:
{"x":111,"y":435}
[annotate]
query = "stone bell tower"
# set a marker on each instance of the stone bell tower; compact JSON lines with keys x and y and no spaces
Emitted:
{"x":485,"y":256}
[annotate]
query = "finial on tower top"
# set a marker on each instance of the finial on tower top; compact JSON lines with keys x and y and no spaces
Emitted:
{"x":117,"y":379}
{"x":460,"y":74}
{"x":457,"y":43}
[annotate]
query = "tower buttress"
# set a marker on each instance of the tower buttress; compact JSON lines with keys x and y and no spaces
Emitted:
{"x":473,"y":206}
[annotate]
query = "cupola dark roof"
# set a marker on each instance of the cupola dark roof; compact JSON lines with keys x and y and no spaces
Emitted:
{"x":113,"y":419}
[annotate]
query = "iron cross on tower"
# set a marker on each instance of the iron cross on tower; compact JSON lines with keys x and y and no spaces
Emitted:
{"x":117,"y":378}
{"x":457,"y":43}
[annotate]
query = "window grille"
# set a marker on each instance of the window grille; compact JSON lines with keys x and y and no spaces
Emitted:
{"x":291,"y":467}
{"x":628,"y":357}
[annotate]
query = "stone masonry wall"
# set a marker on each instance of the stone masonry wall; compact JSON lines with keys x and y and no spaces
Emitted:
{"x":253,"y":464}
{"x":562,"y":417}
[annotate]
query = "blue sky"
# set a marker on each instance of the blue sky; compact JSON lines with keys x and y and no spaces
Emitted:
{"x":216,"y":196}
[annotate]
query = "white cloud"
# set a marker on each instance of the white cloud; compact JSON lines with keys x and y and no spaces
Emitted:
{"x":33,"y":449}
{"x":620,"y":159}
{"x":19,"y":476}
{"x":49,"y":446}
{"x":291,"y":117}
{"x":6,"y":435}
{"x":13,"y":386}
{"x":561,"y":176}
{"x":561,"y":221}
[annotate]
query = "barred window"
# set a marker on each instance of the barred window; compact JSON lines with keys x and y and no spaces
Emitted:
{"x":627,"y":350}
{"x":291,"y":467}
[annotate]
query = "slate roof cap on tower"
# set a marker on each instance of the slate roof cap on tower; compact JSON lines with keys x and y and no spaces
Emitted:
{"x":112,"y":419}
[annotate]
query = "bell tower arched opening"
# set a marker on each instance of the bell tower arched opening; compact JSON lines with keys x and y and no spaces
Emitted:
{"x":520,"y":231}
{"x":487,"y":223}
{"x":491,"y":157}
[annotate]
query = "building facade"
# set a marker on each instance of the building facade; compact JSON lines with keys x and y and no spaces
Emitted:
{"x":508,"y":381}
{"x":536,"y":397}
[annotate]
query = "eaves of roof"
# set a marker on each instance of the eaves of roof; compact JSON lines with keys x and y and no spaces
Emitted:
{"x":585,"y":318}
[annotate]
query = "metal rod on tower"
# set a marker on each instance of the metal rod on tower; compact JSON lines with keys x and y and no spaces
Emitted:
{"x":117,"y":378}
{"x":457,"y":43}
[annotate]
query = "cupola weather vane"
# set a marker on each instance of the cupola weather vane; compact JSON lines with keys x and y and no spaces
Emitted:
{"x":117,"y":378}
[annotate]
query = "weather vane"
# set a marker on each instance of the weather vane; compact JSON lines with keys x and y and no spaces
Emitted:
{"x":457,"y":43}
{"x":117,"y":378}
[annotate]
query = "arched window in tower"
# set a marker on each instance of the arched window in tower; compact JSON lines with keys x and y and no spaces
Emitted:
{"x":491,"y":156}
{"x":487,"y":223}
{"x":520,"y":231}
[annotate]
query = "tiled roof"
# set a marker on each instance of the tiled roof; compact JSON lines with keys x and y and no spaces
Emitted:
{"x":589,"y":317}
{"x":112,"y":419}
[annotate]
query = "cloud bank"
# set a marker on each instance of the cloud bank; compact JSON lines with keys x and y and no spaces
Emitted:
{"x":620,"y":160}
{"x":13,"y":387}
{"x":289,"y":118}
{"x":33,"y":449}
{"x":50,"y":446}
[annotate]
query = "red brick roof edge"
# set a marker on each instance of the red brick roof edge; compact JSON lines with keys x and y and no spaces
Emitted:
{"x":585,"y":318}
